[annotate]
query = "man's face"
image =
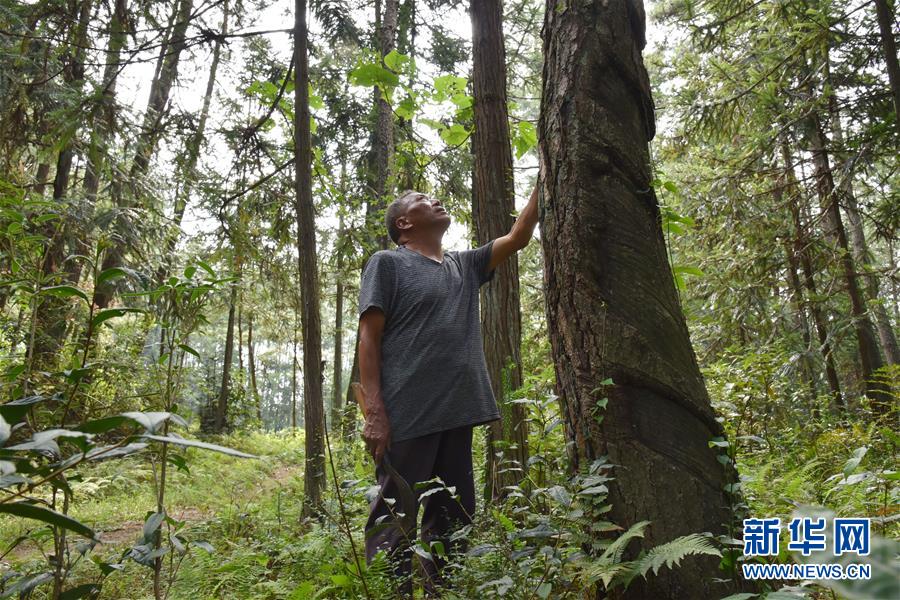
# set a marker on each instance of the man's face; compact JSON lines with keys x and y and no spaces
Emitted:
{"x":424,"y":213}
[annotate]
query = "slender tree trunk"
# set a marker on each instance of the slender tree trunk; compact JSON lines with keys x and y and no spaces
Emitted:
{"x":349,"y":424}
{"x":52,"y":311}
{"x":195,"y":142}
{"x":151,"y":129}
{"x":103,"y":128}
{"x":251,"y":360}
{"x":861,"y":255}
{"x":869,"y":355}
{"x":612,"y":306}
{"x":294,"y":382}
{"x":885,"y":24}
{"x":310,"y":318}
{"x":801,"y":251}
{"x":337,"y":395}
{"x":225,"y":390}
{"x":493,"y":201}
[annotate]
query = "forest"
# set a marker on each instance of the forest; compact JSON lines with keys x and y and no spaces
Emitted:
{"x":699,"y":343}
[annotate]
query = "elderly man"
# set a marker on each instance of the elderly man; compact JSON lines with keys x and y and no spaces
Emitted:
{"x":423,"y":370}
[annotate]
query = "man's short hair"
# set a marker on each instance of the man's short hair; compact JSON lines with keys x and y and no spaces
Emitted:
{"x":395,"y":210}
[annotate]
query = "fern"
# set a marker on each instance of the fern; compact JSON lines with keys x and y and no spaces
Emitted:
{"x":610,"y":569}
{"x":670,"y":554}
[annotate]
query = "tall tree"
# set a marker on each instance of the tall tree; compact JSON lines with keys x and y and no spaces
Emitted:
{"x":886,"y":24}
{"x":151,"y":129}
{"x":310,"y":318}
{"x":493,"y":202}
{"x":612,"y":307}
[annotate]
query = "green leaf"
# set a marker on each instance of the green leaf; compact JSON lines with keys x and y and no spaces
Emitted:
{"x":102,"y":425}
{"x":189,"y":271}
{"x":371,"y":75}
{"x":86,"y":590}
{"x":203,"y":265}
{"x":180,"y":441}
{"x":688,"y":270}
{"x":151,"y":421}
{"x":854,"y":461}
{"x":189,"y":350}
{"x":395,"y":61}
{"x":39,"y":513}
{"x":110,"y":274}
{"x":64,"y":291}
{"x":112,"y":313}
{"x":525,"y":137}
{"x":152,"y":524}
{"x":5,"y":430}
{"x":25,"y":585}
{"x":454,"y":135}
{"x":14,"y":411}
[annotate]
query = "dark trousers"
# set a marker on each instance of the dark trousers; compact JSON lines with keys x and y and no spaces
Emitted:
{"x":448,"y":455}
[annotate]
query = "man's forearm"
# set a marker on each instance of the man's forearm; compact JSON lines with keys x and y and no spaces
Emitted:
{"x":524,"y":226}
{"x":370,"y":372}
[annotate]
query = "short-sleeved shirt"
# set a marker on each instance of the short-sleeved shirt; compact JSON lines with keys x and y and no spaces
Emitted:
{"x":433,"y":373}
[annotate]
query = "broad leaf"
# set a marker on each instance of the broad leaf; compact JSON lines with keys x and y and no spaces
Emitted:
{"x":198,"y":444}
{"x":39,"y":513}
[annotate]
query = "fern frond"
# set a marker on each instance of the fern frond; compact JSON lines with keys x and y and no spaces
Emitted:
{"x":670,"y":555}
{"x":613,"y":553}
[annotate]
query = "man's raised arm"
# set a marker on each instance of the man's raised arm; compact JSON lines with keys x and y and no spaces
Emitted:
{"x":520,"y":234}
{"x":377,"y":429}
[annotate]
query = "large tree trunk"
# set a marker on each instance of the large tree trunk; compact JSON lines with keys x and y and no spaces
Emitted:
{"x":612,"y":306}
{"x":869,"y":355}
{"x":493,"y":201}
{"x":310,"y":319}
{"x":886,"y":24}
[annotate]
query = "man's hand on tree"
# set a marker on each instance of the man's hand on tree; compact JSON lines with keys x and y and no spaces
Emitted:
{"x":377,"y":434}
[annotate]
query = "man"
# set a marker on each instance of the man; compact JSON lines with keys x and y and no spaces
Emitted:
{"x":422,"y":367}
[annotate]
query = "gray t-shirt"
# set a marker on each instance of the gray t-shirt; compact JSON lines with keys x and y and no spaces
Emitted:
{"x":433,"y":373}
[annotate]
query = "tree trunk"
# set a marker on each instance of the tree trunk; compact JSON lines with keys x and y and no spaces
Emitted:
{"x":310,"y":319}
{"x":189,"y":172}
{"x":337,"y":385}
{"x":612,"y":306}
{"x":806,"y":368}
{"x":885,"y":24}
{"x":160,"y":88}
{"x":869,"y":355}
{"x":861,"y":255}
{"x":103,"y":129}
{"x":251,"y":359}
{"x":225,"y":390}
{"x":383,"y":136}
{"x":52,"y":311}
{"x":294,"y":382}
{"x":801,"y":251}
{"x":493,"y":201}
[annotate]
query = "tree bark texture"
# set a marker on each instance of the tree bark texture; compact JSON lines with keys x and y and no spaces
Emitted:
{"x":310,"y":318}
{"x":612,"y":306}
{"x":493,"y":202}
{"x":251,"y":360}
{"x":337,"y":392}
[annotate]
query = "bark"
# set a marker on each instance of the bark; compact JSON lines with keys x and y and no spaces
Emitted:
{"x":885,"y":24}
{"x":612,"y":306}
{"x":801,"y":250}
{"x":221,"y":424}
{"x":802,"y":323}
{"x":870,"y":357}
{"x":493,"y":201}
{"x":349,"y":425}
{"x":294,"y":382}
{"x":310,"y":318}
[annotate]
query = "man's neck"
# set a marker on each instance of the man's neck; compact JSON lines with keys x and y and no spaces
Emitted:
{"x":427,"y":247}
